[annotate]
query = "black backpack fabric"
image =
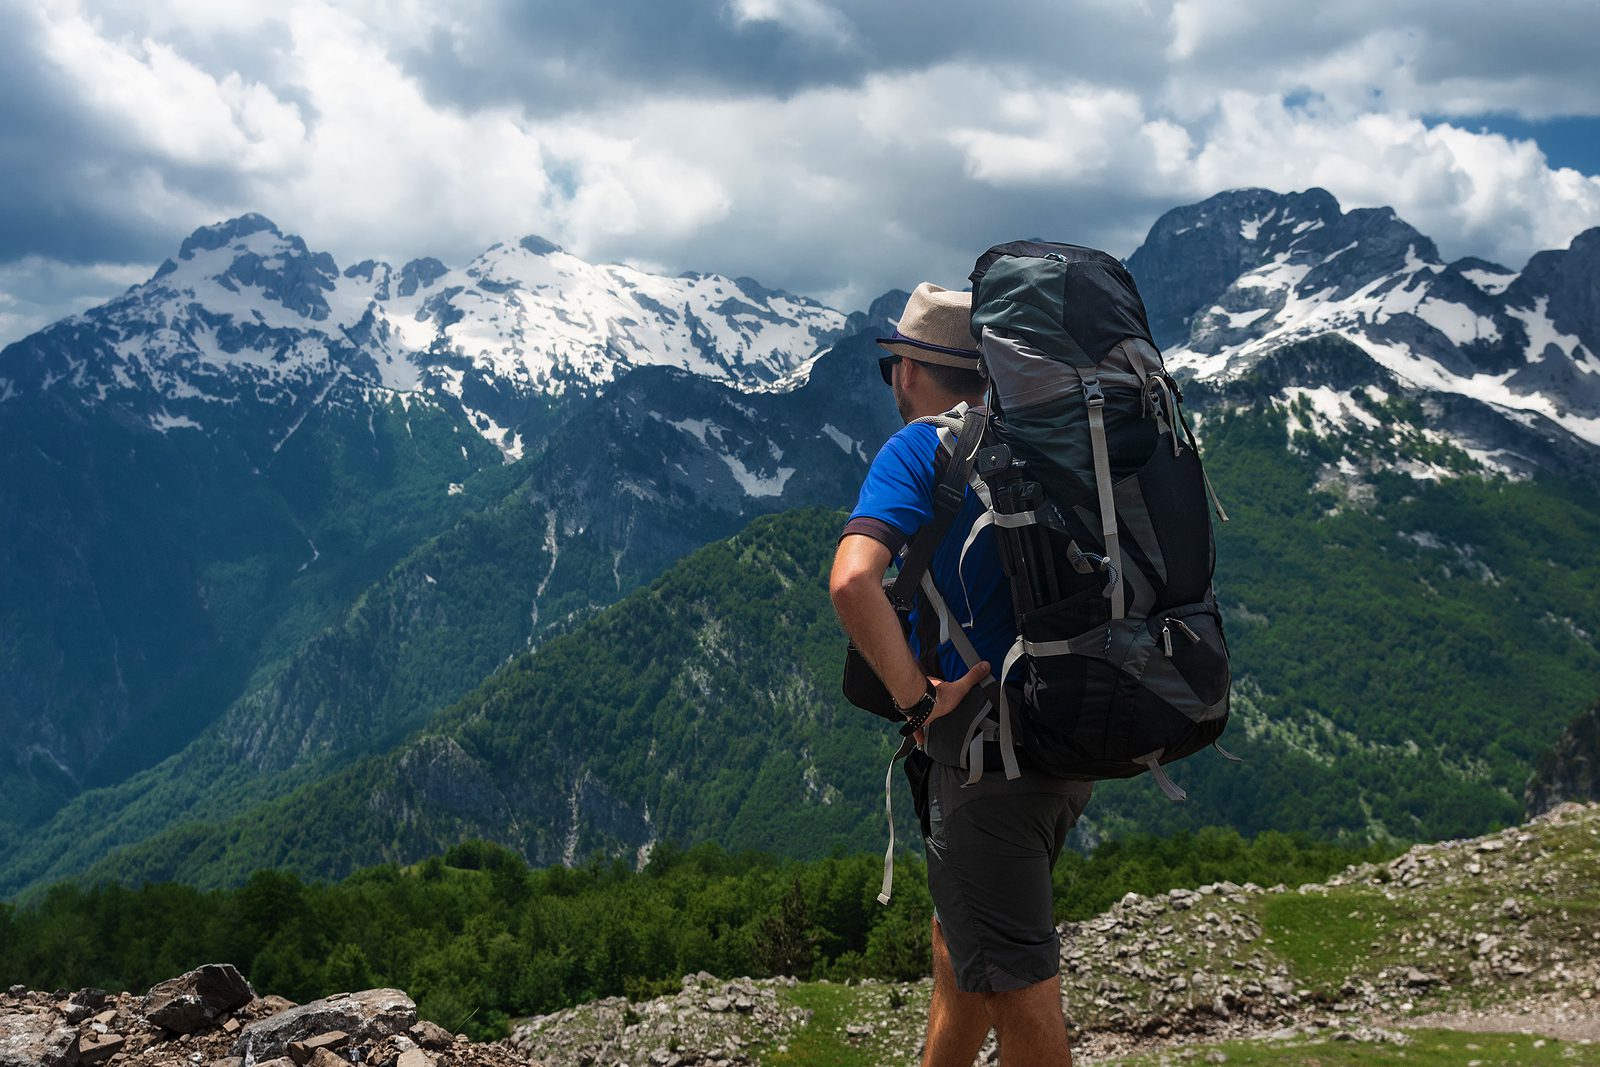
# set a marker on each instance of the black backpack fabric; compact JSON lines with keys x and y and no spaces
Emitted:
{"x":1094,"y":482}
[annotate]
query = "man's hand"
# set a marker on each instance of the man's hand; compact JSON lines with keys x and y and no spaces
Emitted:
{"x":947,"y":696}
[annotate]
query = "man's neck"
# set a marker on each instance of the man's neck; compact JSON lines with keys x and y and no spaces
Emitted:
{"x":947,"y":402}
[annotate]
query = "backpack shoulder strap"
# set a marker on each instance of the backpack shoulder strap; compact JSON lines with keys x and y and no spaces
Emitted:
{"x":948,"y":495}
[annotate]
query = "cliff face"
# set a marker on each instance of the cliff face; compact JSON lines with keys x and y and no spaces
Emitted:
{"x":1569,"y":771}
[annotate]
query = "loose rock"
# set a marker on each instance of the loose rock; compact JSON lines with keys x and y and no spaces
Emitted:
{"x":37,"y":1039}
{"x":195,"y":1000}
{"x":366,"y":1017}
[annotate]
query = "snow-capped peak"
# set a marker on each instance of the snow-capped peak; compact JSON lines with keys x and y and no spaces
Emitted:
{"x":247,"y":310}
{"x":1247,"y":273}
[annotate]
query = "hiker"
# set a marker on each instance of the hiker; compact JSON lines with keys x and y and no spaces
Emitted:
{"x":990,"y":844}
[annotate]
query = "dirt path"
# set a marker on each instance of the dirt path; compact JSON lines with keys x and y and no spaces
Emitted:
{"x":1576,"y":1021}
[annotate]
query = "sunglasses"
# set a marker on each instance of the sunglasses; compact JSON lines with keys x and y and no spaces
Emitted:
{"x":886,"y":367}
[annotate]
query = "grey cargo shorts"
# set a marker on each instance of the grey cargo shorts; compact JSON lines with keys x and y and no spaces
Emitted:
{"x":991,"y":847}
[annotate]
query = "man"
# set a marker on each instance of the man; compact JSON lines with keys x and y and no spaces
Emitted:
{"x":990,"y":845}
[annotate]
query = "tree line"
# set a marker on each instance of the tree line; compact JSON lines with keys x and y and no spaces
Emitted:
{"x":478,"y":937}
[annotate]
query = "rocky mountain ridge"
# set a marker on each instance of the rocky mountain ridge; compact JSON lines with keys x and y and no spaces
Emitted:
{"x":248,"y":316}
{"x":1246,"y":273}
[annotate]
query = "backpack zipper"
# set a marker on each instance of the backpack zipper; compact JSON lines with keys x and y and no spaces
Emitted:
{"x":1166,"y":634}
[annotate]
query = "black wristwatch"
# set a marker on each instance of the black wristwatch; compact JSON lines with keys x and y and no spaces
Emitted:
{"x":917,"y":714}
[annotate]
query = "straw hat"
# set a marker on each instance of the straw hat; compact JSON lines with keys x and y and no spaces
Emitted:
{"x":935,"y":328}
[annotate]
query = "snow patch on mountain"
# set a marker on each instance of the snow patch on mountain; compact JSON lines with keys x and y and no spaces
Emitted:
{"x":1542,"y":333}
{"x":753,"y":483}
{"x":848,"y":445}
{"x":1459,"y":323}
{"x":1491,"y":282}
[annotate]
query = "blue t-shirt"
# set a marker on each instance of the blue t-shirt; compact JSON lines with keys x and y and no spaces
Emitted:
{"x":896,"y":501}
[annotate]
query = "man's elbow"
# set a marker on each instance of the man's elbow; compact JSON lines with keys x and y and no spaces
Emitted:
{"x":847,"y":584}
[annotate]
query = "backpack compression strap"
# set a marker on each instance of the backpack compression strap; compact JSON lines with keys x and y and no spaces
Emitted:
{"x":1095,"y":398}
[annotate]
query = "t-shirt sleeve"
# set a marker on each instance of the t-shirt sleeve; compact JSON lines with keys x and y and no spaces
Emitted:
{"x":897,"y":495}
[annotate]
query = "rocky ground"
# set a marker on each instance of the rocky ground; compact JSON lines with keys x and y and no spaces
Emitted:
{"x":211,"y":1017}
{"x":1499,"y":933}
{"x":1496,"y":933}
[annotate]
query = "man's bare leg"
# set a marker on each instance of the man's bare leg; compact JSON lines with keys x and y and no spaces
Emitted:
{"x":1030,"y":1026}
{"x":958,"y":1021}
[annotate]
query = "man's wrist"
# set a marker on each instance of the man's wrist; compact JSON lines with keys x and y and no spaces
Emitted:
{"x":918,"y":711}
{"x":915,"y":697}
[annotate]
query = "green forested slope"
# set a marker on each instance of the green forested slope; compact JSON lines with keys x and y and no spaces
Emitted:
{"x":148,"y":578}
{"x":1404,"y":652}
{"x":609,"y":494}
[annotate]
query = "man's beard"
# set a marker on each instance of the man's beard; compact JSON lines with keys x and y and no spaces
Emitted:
{"x":902,"y":402}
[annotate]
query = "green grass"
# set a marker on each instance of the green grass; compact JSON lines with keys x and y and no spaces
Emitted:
{"x":1427,"y":1048}
{"x":822,"y":1042}
{"x":1328,"y":937}
{"x":1361,"y":930}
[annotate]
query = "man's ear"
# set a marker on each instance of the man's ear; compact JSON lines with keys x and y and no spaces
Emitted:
{"x":910,"y":372}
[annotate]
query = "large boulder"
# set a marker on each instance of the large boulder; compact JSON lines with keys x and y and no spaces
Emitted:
{"x":37,"y":1039}
{"x":195,"y":1000}
{"x":368,"y":1016}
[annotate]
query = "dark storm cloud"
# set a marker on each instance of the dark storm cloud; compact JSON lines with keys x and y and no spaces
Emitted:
{"x":549,"y":57}
{"x":73,"y":181}
{"x":48,"y":148}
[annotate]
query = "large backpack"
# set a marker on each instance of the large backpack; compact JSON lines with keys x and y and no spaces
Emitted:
{"x":1092,"y":478}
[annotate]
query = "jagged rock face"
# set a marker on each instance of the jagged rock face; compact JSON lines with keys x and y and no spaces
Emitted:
{"x":1194,"y":253}
{"x":36,"y":1039}
{"x":1247,"y":273}
{"x":1571,"y":771}
{"x":369,"y":1028}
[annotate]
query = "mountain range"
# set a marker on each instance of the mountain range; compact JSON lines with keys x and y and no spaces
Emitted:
{"x":271,"y":518}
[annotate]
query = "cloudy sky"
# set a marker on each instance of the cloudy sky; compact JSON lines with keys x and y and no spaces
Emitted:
{"x":830,"y":147}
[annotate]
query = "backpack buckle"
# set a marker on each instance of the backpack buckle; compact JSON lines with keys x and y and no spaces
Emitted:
{"x":1093,"y":393}
{"x":948,"y":497}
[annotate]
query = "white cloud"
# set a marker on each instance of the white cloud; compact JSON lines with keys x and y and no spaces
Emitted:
{"x":314,"y":113}
{"x":1474,"y":193}
{"x":812,"y":18}
{"x":153,"y":100}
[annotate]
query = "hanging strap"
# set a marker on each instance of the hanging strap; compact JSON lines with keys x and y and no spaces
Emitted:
{"x":1165,"y":405}
{"x":906,"y":745}
{"x":1095,"y":398}
{"x":1229,"y":756}
{"x":1152,"y":762}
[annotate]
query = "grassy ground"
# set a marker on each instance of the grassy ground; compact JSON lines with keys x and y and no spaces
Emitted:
{"x":893,"y":1015}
